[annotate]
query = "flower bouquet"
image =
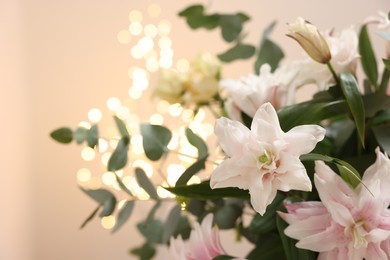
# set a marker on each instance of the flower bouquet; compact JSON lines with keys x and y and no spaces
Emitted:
{"x":298,"y":180}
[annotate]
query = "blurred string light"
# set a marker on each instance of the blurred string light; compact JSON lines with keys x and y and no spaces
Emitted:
{"x":150,"y":45}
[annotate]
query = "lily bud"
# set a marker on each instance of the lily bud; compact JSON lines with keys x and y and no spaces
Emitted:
{"x":311,"y":40}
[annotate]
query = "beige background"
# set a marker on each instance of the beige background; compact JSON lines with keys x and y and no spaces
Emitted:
{"x":58,"y":59}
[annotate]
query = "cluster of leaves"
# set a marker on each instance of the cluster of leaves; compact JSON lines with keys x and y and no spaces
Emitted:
{"x":231,"y":26}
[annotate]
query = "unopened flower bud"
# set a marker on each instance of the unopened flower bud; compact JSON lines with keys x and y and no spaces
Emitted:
{"x":311,"y":40}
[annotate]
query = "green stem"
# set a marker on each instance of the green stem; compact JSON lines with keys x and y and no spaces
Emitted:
{"x":333,"y":72}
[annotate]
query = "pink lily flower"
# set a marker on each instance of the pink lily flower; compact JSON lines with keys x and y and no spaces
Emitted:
{"x":204,"y":243}
{"x":348,"y":223}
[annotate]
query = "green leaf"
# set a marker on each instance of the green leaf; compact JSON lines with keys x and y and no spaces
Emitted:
{"x":171,"y":223}
{"x":347,"y":171}
{"x":239,"y":51}
{"x":309,"y":113}
{"x":90,"y":217}
{"x":145,"y":183}
{"x":269,"y":53}
{"x":121,"y":127}
{"x":387,"y":64}
{"x":223,"y":257}
{"x":355,"y":103}
{"x":62,"y":135}
{"x":183,"y":228}
{"x":105,"y":198}
{"x":80,"y":134}
{"x":231,"y":26}
{"x":155,"y":140}
{"x":291,"y":251}
{"x":191,"y":171}
{"x":385,"y":77}
{"x":119,"y":157}
{"x":203,"y":21}
{"x":203,"y":191}
{"x":381,"y":117}
{"x":197,"y":19}
{"x":226,"y":216}
{"x":192,"y":10}
{"x":152,"y":230}
{"x":198,"y":142}
{"x":145,"y":252}
{"x":382,"y":136}
{"x":374,"y":103}
{"x":268,"y":247}
{"x":122,"y":185}
{"x":368,"y":56}
{"x":93,"y":136}
{"x":263,"y":224}
{"x":244,"y":17}
{"x":124,"y":215}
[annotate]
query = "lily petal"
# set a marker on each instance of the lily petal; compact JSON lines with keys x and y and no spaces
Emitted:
{"x":231,"y":135}
{"x":304,"y":138}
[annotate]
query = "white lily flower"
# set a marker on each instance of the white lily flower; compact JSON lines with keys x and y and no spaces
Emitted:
{"x":264,"y":159}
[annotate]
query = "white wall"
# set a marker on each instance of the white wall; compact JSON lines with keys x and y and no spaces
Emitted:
{"x":61,"y":58}
{"x":15,"y":157}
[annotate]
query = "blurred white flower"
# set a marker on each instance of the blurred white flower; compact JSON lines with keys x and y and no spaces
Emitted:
{"x":170,"y":86}
{"x":248,"y":93}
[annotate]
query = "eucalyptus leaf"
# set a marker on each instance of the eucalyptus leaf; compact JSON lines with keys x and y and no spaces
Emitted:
{"x":62,"y":135}
{"x":382,"y":136}
{"x":225,"y":217}
{"x":203,"y":21}
{"x":367,"y":56}
{"x":355,"y":103}
{"x":123,"y":215}
{"x":203,"y":191}
{"x":119,"y":157}
{"x":239,"y":51}
{"x":231,"y":26}
{"x":105,"y":198}
{"x":198,"y":142}
{"x":269,"y":53}
{"x":191,"y":171}
{"x":90,"y":217}
{"x":121,"y":127}
{"x":80,"y":134}
{"x":183,"y":228}
{"x":192,"y":10}
{"x":122,"y":185}
{"x":145,"y":183}
{"x":145,"y":252}
{"x":152,"y":230}
{"x":93,"y":136}
{"x":171,"y":223}
{"x":155,"y":140}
